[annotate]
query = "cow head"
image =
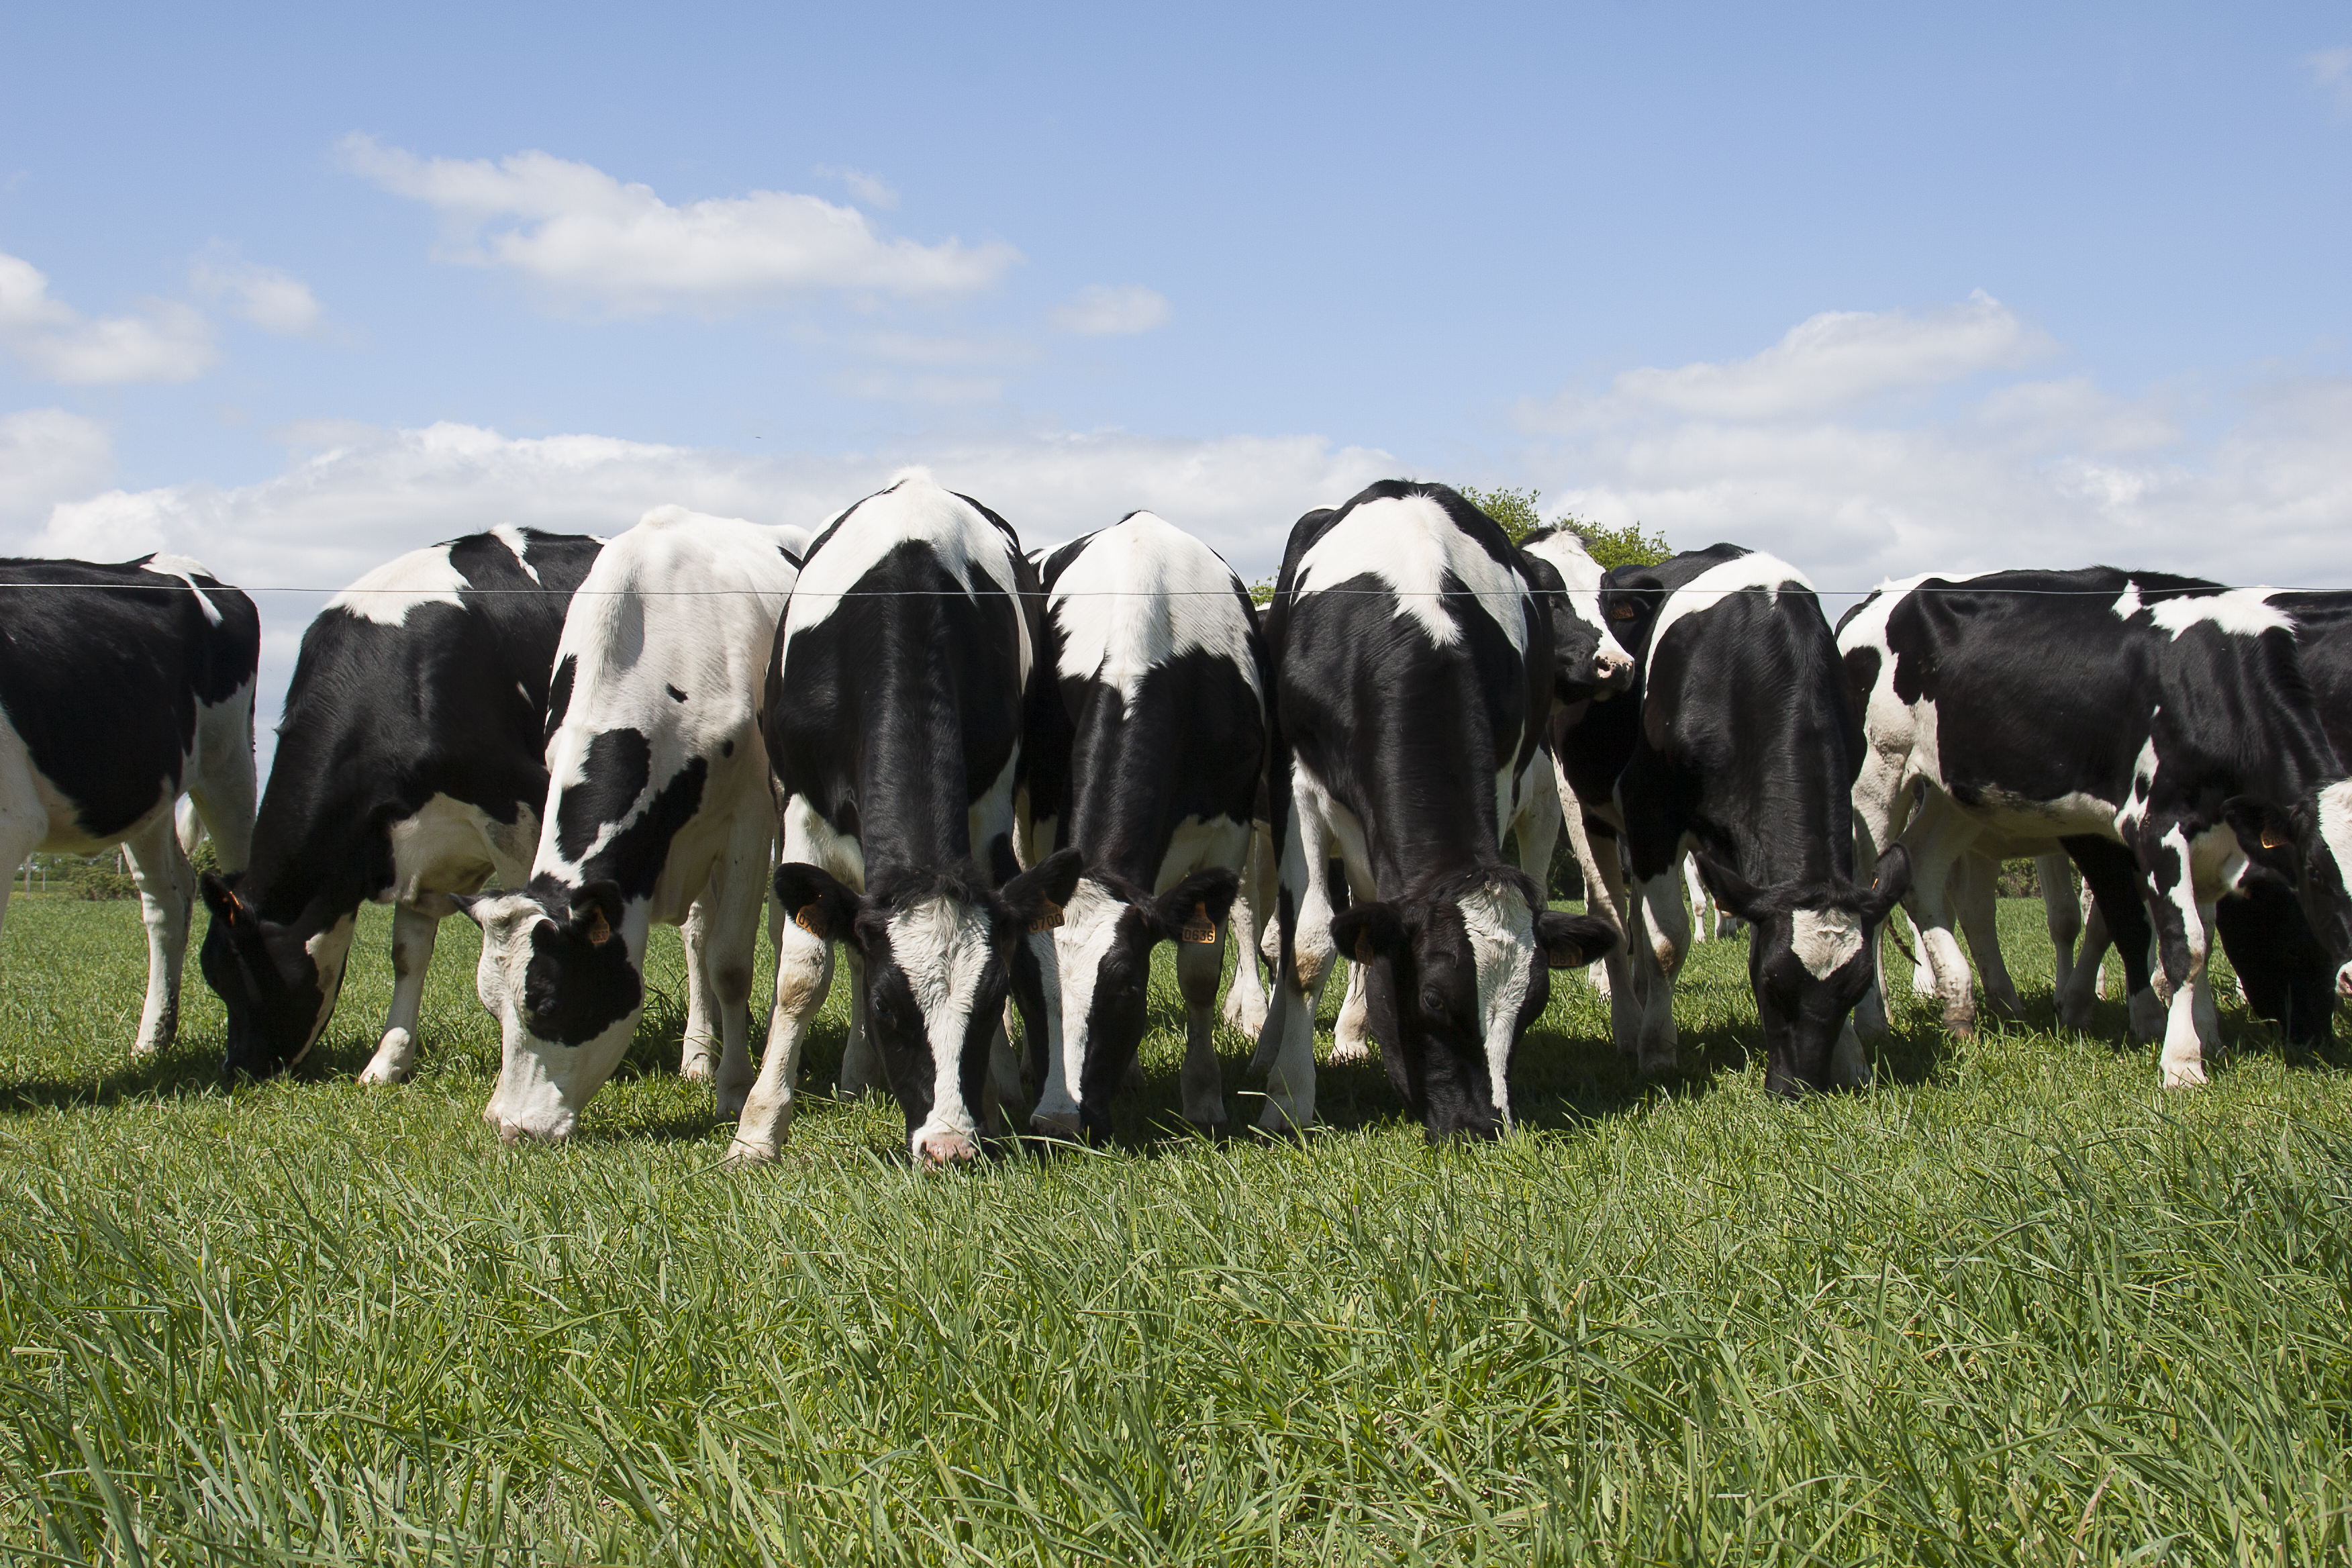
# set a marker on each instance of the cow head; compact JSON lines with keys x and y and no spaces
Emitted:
{"x":1809,"y":959}
{"x":1452,"y":979}
{"x":560,"y":971}
{"x":1103,"y":951}
{"x":277,"y":980}
{"x":1588,"y":660}
{"x":2310,"y":845}
{"x":938,"y":951}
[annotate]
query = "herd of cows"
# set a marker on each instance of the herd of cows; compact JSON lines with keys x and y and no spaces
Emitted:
{"x":980,"y":775}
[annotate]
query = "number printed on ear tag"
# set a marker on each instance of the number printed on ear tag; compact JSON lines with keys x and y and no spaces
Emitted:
{"x":1201,"y":928}
{"x":1049,"y":917}
{"x":809,"y":918}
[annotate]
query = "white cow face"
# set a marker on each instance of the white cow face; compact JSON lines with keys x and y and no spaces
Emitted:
{"x":562,"y":977}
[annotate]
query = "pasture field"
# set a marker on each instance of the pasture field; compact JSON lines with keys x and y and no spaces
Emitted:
{"x":2015,"y":1305}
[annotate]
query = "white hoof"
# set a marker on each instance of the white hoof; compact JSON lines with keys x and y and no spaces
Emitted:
{"x":936,"y":1147}
{"x":2184,"y":1074}
{"x":394,"y":1059}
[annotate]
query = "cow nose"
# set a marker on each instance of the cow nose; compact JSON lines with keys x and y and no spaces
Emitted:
{"x":2344,"y":981}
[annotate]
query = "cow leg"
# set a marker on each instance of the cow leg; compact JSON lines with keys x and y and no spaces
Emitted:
{"x":1245,"y":999}
{"x":1199,"y":966}
{"x":2061,"y":913}
{"x":1288,"y":1045}
{"x":1664,"y":941}
{"x":2180,"y":938}
{"x":730,"y":946}
{"x":1979,"y":921}
{"x":804,"y":980}
{"x":413,"y":933}
{"x":697,"y":1056}
{"x":220,"y":779}
{"x":167,"y":891}
{"x":1615,"y":902}
{"x":1351,"y":1032}
{"x":1697,"y":891}
{"x":861,"y":1065}
{"x":2088,"y":977}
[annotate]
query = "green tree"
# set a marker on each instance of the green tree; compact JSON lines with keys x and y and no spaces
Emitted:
{"x":1515,"y":511}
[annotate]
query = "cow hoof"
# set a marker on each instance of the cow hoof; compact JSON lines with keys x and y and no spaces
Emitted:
{"x":141,"y":1049}
{"x":744,"y":1155}
{"x":1658,"y":1064}
{"x":938,"y":1150}
{"x":1249,"y":1021}
{"x":1132,"y":1079}
{"x":731,"y":1103}
{"x":1344,"y":1049}
{"x":1276,"y":1122}
{"x":2184,"y":1075}
{"x":697,"y":1066}
{"x":1061,"y":1126}
{"x":394,"y":1059}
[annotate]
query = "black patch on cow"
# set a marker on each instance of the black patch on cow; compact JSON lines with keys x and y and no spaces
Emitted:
{"x":675,"y":694}
{"x":634,"y":857}
{"x":618,"y":765}
{"x":559,"y":695}
{"x":575,"y":989}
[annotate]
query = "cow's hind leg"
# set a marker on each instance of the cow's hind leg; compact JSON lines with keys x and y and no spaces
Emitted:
{"x":697,"y":1055}
{"x":167,"y":890}
{"x":1979,"y":909}
{"x":739,"y":888}
{"x":1199,"y":966}
{"x":1660,"y":945}
{"x":1288,"y":1045}
{"x":412,"y":935}
{"x":1253,"y":915}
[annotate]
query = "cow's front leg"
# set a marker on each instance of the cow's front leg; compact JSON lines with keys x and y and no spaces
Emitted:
{"x":739,"y":888}
{"x":1199,"y":966}
{"x":414,"y":933}
{"x":1978,"y":908}
{"x":861,"y":1064}
{"x":1253,"y":915}
{"x":167,"y":890}
{"x":1352,"y":1031}
{"x":697,"y":1056}
{"x":803,"y":979}
{"x":2062,"y":912}
{"x":1657,"y":958}
{"x":2180,"y":944}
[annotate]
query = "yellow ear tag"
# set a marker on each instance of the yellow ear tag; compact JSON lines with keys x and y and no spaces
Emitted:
{"x":2271,"y":840}
{"x":1622,"y":613}
{"x":1201,"y":928}
{"x":1363,"y":947}
{"x":1049,"y":917}
{"x":600,"y":930}
{"x":809,"y":918}
{"x":1564,"y":955}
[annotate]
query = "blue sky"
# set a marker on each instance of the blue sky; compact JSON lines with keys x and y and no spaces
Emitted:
{"x":1880,"y":289}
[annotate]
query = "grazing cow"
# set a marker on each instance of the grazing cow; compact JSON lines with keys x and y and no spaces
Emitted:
{"x":121,"y":687}
{"x":2164,"y":713}
{"x":893,"y":719}
{"x":409,"y":767}
{"x":1745,"y":752}
{"x":1146,"y":741}
{"x":658,"y":799}
{"x":1414,"y":670}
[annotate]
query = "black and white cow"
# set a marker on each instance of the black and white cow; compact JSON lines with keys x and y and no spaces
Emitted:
{"x":893,"y":719}
{"x":1413,"y":672}
{"x":121,"y":688}
{"x":1148,"y":750}
{"x":409,"y":767}
{"x":658,"y":799}
{"x":2169,"y":714}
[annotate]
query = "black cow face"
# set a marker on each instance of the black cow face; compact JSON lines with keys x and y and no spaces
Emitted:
{"x":1103,"y":951}
{"x":938,"y":951}
{"x":278,"y":983}
{"x":2311,"y":846}
{"x":1808,"y":961}
{"x":1451,"y":984}
{"x":561,"y":977}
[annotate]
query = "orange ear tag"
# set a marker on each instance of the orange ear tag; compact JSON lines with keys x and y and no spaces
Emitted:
{"x":2271,"y":840}
{"x":1049,"y":917}
{"x":1363,"y":947}
{"x":600,"y":930}
{"x":1201,"y":928}
{"x":1564,"y":955}
{"x":809,"y":918}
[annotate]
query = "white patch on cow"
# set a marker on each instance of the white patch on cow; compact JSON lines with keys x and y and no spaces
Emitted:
{"x":2335,"y":833}
{"x":2127,"y":603}
{"x":386,"y":594}
{"x":2183,"y":1058}
{"x":2239,"y":612}
{"x":1825,"y":941}
{"x":449,"y":846}
{"x":507,"y":534}
{"x":1410,"y":543}
{"x":186,"y":571}
{"x":1143,"y":592}
{"x":1712,"y":586}
{"x":328,"y":949}
{"x":944,"y":947}
{"x":1503,"y":944}
{"x":1198,"y":844}
{"x":1089,"y":930}
{"x":915,"y":510}
{"x":1567,"y":555}
{"x":2128,"y":816}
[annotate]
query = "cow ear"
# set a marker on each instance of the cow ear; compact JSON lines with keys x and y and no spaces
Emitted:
{"x":1367,"y":931}
{"x":1888,"y":883}
{"x":220,"y":897}
{"x":596,"y":912}
{"x":466,"y":902}
{"x":2266,"y":833}
{"x":1036,"y":896}
{"x":1571,"y":941}
{"x":817,"y":903}
{"x":1732,"y":890}
{"x":1195,"y":908}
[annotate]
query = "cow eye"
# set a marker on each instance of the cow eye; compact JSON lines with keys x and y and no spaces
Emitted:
{"x":1432,"y":1001}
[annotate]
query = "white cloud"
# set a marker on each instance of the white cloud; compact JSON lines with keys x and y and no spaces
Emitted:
{"x":274,"y":301}
{"x":166,"y":342}
{"x":1103,"y":309}
{"x":2331,"y":72}
{"x":863,"y":185}
{"x":1824,"y":458}
{"x":47,"y":455}
{"x":583,"y":236}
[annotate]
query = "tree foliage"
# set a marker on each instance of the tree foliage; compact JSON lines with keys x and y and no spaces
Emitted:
{"x":1515,"y":511}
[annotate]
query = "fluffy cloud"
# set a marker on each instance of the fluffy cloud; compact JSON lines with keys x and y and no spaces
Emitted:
{"x":47,"y":455}
{"x":2331,"y":71}
{"x":1102,"y":309}
{"x":583,"y":235}
{"x":166,"y":341}
{"x":864,"y":187}
{"x":273,"y":300}
{"x":1817,"y":449}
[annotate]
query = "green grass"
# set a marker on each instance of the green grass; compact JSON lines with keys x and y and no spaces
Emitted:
{"x":2014,"y":1305}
